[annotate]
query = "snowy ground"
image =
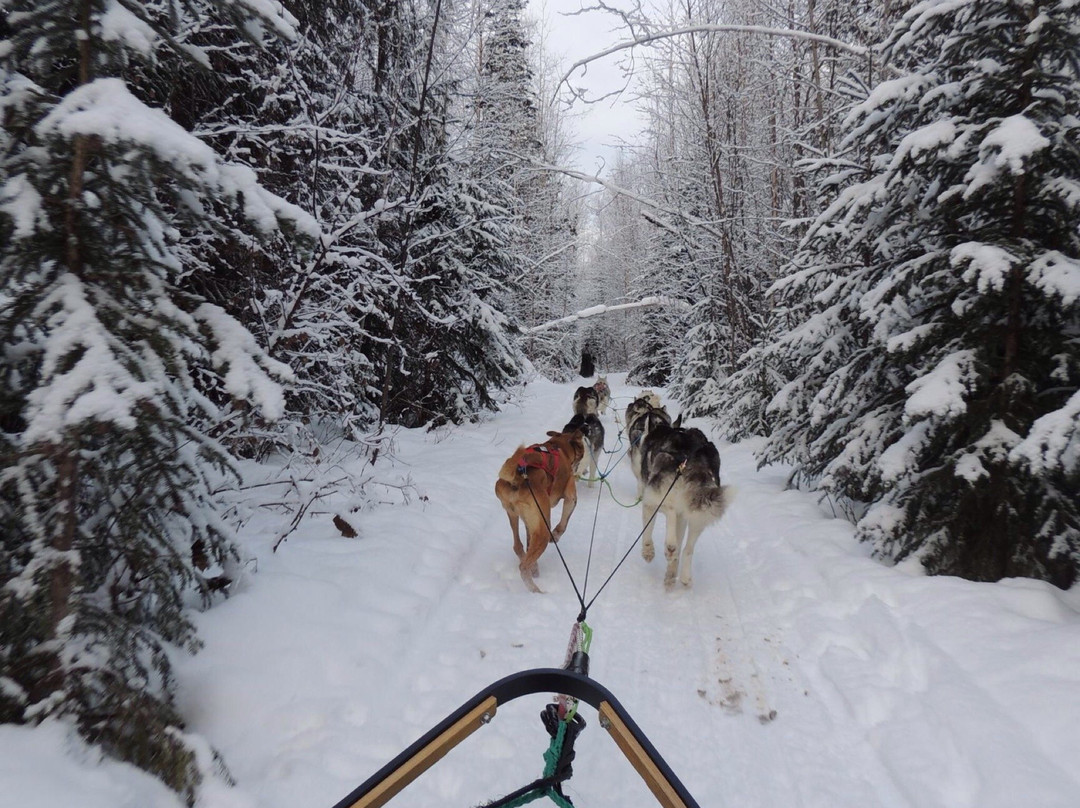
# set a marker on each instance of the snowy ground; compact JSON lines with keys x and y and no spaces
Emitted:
{"x":796,"y":672}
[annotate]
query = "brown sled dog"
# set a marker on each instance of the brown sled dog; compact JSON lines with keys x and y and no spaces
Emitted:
{"x":531,"y":482}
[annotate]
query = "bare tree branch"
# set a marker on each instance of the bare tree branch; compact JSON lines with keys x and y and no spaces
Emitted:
{"x":626,"y":192}
{"x":593,"y":311}
{"x":646,"y":39}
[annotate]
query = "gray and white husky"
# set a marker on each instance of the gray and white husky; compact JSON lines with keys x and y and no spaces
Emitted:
{"x":593,"y":431}
{"x":603,"y":394}
{"x":640,"y":404}
{"x":690,"y":500}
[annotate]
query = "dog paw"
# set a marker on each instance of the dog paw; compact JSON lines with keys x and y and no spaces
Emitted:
{"x":647,"y":552}
{"x":529,"y":583}
{"x":687,"y":581}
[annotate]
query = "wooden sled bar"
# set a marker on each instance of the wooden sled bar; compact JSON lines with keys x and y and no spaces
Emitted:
{"x":382,"y":786}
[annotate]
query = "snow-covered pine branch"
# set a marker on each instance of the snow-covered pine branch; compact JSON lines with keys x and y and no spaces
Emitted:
{"x":115,"y":363}
{"x":934,"y":364}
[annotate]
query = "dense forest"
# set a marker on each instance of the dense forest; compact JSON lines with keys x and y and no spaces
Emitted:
{"x":249,"y":229}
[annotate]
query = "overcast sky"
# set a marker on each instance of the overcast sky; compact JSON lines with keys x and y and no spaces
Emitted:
{"x":599,"y":126}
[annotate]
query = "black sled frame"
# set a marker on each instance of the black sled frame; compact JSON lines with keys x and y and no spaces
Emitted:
{"x":382,"y":786}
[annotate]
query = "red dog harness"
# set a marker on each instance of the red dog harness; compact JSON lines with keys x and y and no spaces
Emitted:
{"x":543,"y":457}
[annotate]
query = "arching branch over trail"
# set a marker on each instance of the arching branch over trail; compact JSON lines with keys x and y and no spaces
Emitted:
{"x":593,"y":311}
{"x":646,"y":39}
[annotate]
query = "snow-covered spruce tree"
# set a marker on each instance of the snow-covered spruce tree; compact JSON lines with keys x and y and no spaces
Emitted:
{"x":298,"y":111}
{"x":458,"y":354}
{"x":107,"y":504}
{"x":439,"y":346}
{"x":661,"y":270}
{"x":508,"y":133}
{"x":703,"y":351}
{"x":653,"y":361}
{"x":942,"y":363}
{"x":742,"y":398}
{"x":506,"y":105}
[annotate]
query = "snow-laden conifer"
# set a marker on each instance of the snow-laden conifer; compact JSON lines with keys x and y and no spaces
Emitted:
{"x":108,"y":524}
{"x":937,"y":359}
{"x":437,"y":346}
{"x":512,"y":128}
{"x":322,"y":114}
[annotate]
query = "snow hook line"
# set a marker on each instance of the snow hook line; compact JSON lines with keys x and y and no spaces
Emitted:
{"x":576,"y":660}
{"x":563,"y":724}
{"x":382,"y":786}
{"x":557,"y":759}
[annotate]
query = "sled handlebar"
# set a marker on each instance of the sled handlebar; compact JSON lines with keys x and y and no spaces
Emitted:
{"x":382,"y":786}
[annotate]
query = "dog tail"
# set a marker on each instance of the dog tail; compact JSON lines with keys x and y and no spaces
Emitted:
{"x":509,"y":471}
{"x":715,"y":500}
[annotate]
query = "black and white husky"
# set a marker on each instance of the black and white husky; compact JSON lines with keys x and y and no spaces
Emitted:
{"x":585,"y":401}
{"x":690,"y":499}
{"x":641,"y":404}
{"x":641,"y":418}
{"x":593,"y":431}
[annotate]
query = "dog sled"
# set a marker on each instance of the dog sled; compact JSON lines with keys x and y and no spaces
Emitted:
{"x":478,"y":711}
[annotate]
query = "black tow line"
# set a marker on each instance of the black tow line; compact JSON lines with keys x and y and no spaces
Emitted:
{"x":577,"y":592}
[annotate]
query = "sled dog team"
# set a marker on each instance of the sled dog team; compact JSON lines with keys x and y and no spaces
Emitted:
{"x":677,"y":471}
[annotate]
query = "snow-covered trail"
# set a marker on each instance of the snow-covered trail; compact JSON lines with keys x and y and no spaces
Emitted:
{"x":795,"y":672}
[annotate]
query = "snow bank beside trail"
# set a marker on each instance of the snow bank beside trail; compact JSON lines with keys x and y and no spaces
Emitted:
{"x":44,"y":767}
{"x":967,"y":691}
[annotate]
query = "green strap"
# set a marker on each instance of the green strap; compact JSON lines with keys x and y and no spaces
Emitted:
{"x":586,"y":632}
{"x":559,"y":800}
{"x":551,"y":756}
{"x":551,"y":759}
{"x":623,"y":504}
